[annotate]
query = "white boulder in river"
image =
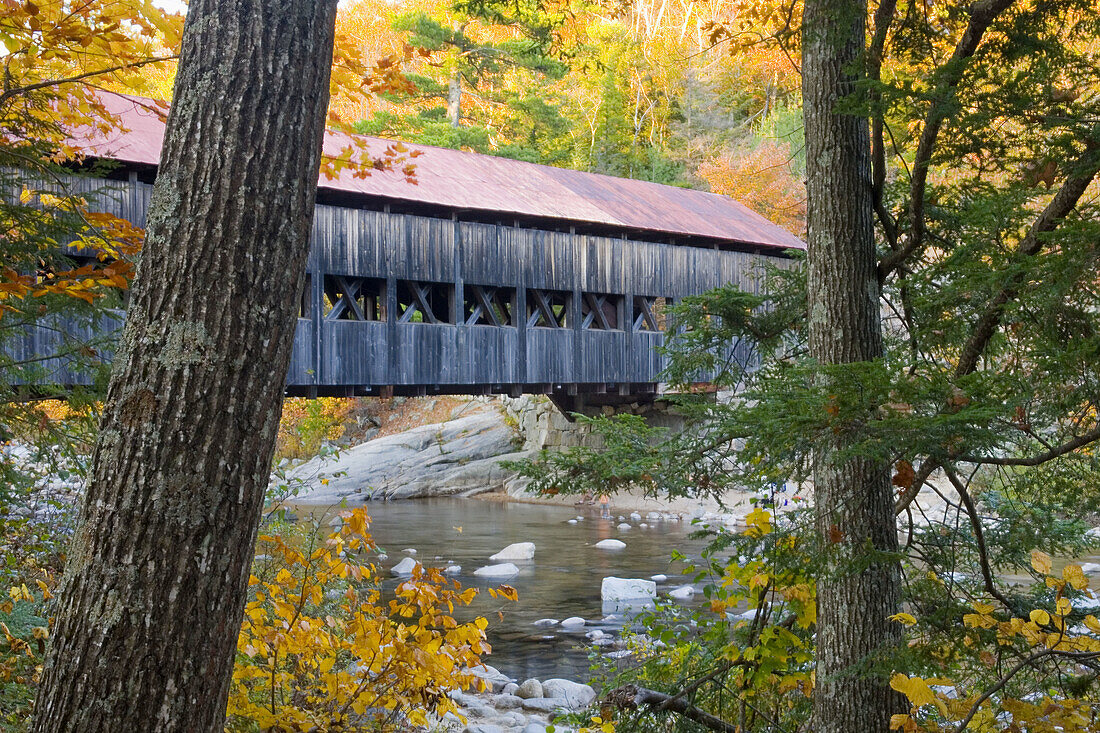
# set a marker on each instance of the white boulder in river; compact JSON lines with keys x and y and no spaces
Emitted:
{"x":517,"y":551}
{"x":573,"y":622}
{"x":682,"y":593}
{"x":501,"y":570}
{"x":615,"y":590}
{"x":405,"y":567}
{"x":611,"y":544}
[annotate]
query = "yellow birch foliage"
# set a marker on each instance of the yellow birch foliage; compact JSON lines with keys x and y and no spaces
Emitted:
{"x":22,"y":648}
{"x":305,"y":423}
{"x":320,"y":649}
{"x":56,"y":59}
{"x":1058,"y":635}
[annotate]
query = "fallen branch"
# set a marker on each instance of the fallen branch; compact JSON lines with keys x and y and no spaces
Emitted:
{"x":631,"y":697}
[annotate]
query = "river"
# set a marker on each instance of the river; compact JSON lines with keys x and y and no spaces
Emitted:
{"x":562,"y":580}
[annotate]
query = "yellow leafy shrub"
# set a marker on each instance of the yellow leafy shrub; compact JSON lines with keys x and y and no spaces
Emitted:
{"x":305,"y":423}
{"x":1045,"y":637}
{"x":23,"y":635}
{"x":319,"y":648}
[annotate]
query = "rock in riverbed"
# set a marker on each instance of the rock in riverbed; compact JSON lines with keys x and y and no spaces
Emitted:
{"x":505,"y":709}
{"x":574,"y":694}
{"x":614,"y":590}
{"x":405,"y":567}
{"x":529,"y":688}
{"x":501,"y":570}
{"x":454,"y":458}
{"x":517,"y":551}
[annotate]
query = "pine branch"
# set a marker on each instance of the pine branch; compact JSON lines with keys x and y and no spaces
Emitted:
{"x":982,"y":15}
{"x":1059,"y":207}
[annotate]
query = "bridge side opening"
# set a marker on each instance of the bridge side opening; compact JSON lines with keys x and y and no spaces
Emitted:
{"x":488,"y":305}
{"x":424,"y":302}
{"x":548,"y":308}
{"x":650,"y":313}
{"x":602,"y":311}
{"x":353,"y":298}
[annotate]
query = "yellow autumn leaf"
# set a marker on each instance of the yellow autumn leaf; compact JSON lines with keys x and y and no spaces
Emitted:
{"x":759,"y":522}
{"x":905,"y":619}
{"x":1040,"y":616}
{"x":1041,"y":562}
{"x":914,"y":688}
{"x":1073,"y":575}
{"x":979,"y":620}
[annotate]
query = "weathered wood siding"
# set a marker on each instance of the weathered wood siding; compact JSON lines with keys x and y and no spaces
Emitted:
{"x":445,"y":256}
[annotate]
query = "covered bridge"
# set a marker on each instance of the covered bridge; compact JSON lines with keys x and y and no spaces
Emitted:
{"x":487,"y":275}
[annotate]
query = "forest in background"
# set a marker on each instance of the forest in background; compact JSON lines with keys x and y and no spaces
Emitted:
{"x":657,"y":90}
{"x":652,"y":90}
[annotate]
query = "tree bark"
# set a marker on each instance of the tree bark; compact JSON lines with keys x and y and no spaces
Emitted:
{"x":855,"y":517}
{"x":454,"y":99}
{"x":154,"y":588}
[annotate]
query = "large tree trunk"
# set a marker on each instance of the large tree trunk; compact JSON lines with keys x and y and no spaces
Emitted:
{"x":153,"y":593}
{"x":853,"y":497}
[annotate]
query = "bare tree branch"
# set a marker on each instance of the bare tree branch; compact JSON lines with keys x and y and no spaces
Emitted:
{"x":884,"y":17}
{"x":45,"y":83}
{"x":1068,"y":447}
{"x":979,"y":538}
{"x":906,"y":497}
{"x":631,"y":697}
{"x":1000,"y":683}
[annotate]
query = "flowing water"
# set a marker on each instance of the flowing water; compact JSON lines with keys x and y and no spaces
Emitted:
{"x":562,"y":580}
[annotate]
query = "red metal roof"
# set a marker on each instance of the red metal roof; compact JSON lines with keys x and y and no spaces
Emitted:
{"x":470,"y":181}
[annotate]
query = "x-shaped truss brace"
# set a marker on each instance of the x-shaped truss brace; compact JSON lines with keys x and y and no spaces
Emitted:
{"x":420,"y":295}
{"x":485,"y":298}
{"x":645,"y":320}
{"x":596,"y":313}
{"x":544,"y":314}
{"x":348,"y":300}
